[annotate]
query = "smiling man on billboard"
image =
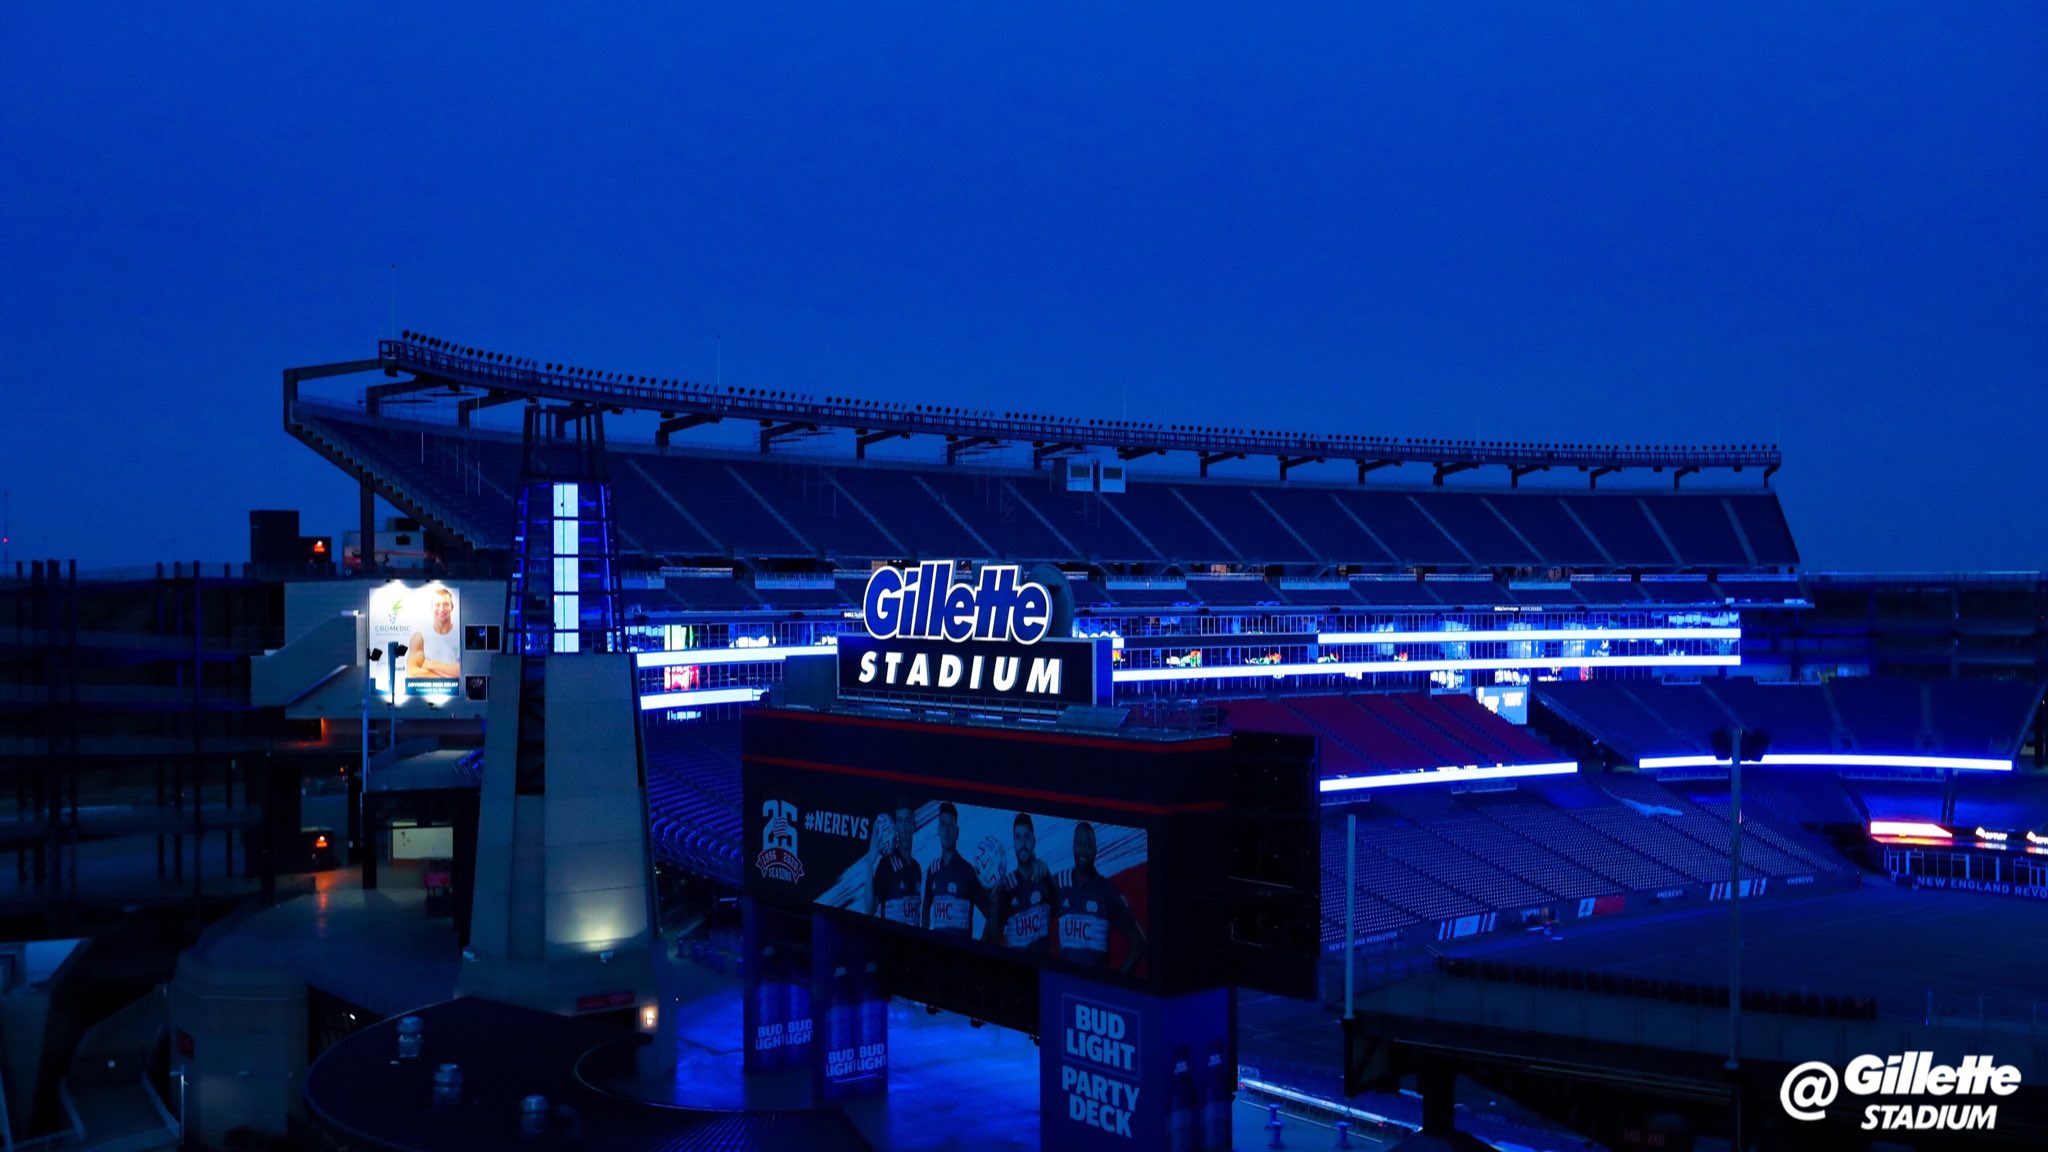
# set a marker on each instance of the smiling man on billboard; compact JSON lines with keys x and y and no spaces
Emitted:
{"x":436,"y":649}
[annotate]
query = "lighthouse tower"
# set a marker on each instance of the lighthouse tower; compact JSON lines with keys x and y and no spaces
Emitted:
{"x":564,"y":915}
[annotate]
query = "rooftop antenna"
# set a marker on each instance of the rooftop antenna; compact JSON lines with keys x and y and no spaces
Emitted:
{"x":392,"y":334}
{"x":6,"y":529}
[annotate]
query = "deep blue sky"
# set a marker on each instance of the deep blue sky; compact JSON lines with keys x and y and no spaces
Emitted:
{"x":1588,"y":221}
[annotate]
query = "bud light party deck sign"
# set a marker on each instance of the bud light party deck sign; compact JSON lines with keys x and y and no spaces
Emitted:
{"x":993,"y":643}
{"x":1125,"y":1070}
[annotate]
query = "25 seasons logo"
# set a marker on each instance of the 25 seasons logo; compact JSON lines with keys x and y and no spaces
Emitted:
{"x":1809,"y":1089}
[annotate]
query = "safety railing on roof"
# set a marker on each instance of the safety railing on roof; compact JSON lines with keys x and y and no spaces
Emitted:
{"x":481,"y":368}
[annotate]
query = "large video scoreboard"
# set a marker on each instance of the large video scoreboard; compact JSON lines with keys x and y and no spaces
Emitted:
{"x":1174,"y":863}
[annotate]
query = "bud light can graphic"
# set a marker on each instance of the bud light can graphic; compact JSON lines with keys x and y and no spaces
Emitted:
{"x":1217,"y":1089}
{"x":842,"y":1021}
{"x":798,"y":998}
{"x":770,"y":1030}
{"x":874,"y":1024}
{"x":1181,"y":1116}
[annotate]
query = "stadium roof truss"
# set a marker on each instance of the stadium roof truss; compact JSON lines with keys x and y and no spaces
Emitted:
{"x":479,"y":379}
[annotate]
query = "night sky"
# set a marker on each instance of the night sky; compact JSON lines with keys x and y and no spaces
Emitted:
{"x":1601,"y":222}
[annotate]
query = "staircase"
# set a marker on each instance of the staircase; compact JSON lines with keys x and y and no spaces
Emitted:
{"x":107,"y":1092}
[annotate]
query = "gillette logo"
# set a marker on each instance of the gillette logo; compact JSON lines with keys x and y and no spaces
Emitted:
{"x":1808,"y":1090}
{"x":925,"y":602}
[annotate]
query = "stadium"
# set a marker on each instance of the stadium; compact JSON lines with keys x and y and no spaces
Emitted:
{"x":1609,"y":813}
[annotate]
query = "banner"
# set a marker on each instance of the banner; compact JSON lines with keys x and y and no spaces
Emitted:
{"x":1604,"y":905}
{"x":427,"y":622}
{"x":1069,"y":891}
{"x":1995,"y":887}
{"x":1121,"y":1069}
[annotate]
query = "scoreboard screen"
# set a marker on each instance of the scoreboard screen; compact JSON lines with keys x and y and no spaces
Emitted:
{"x":1098,"y":853}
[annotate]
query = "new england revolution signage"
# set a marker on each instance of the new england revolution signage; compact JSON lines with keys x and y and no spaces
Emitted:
{"x":994,"y":640}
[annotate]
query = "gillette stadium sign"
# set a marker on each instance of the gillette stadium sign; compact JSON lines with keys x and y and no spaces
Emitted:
{"x":993,"y":640}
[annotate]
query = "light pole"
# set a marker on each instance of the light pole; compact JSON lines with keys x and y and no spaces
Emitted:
{"x":1729,"y":745}
{"x":370,"y":658}
{"x":363,"y":784}
{"x":398,"y":652}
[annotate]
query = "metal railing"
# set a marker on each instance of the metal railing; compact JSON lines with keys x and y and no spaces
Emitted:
{"x":105,"y":1070}
{"x":1986,"y":1013}
{"x":481,"y":368}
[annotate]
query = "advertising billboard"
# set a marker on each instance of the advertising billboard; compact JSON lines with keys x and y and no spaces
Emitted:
{"x":1123,"y":1069}
{"x":1072,"y":891}
{"x":426,"y":620}
{"x":1172,"y":862}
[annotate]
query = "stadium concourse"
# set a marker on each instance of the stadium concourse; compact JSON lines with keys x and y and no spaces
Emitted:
{"x":1513,"y":673}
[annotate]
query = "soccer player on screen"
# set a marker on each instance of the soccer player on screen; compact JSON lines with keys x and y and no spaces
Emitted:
{"x":893,"y":896}
{"x":952,"y":887}
{"x":1091,"y":906}
{"x":1024,"y":898}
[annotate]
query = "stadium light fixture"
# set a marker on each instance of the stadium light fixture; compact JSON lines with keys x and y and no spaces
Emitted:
{"x":766,"y":655}
{"x":1449,"y":772}
{"x":1909,"y":828}
{"x":1754,"y":745}
{"x":1835,"y":760}
{"x":700,"y":697}
{"x":1369,"y":667}
{"x":1491,"y":635}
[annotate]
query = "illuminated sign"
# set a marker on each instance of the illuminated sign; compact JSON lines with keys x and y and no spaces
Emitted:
{"x":1837,"y":760}
{"x":1467,"y":772}
{"x":925,"y":602}
{"x":1907,"y":828}
{"x":417,"y":631}
{"x":999,"y":676}
{"x":1057,"y":889}
{"x":993,"y":641}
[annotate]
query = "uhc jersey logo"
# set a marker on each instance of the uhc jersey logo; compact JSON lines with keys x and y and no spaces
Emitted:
{"x":926,"y":603}
{"x":778,"y":859}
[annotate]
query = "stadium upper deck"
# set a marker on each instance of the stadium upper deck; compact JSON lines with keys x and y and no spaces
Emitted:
{"x":682,"y":505}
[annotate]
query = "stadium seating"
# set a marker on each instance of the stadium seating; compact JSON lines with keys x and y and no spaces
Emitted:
{"x":1765,"y":1000}
{"x":1408,"y":732}
{"x":1657,"y":840}
{"x":1429,"y":853}
{"x":1451,"y":866}
{"x":1525,"y":858}
{"x":693,"y":796}
{"x":1980,"y":717}
{"x":709,"y":504}
{"x":1765,"y":850}
{"x":1864,"y":715}
{"x":1680,"y":591}
{"x":1622,"y":866}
